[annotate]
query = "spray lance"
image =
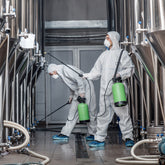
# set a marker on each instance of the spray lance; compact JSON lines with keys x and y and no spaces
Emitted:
{"x":118,"y":89}
{"x":82,"y":107}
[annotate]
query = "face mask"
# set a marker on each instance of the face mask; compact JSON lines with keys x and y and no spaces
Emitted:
{"x":55,"y":76}
{"x":106,"y":43}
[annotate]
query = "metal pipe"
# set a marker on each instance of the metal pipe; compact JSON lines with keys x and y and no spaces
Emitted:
{"x":163,"y":70}
{"x":31,"y":16}
{"x":1,"y":110}
{"x":24,"y":103}
{"x":156,"y":113}
{"x":43,"y":27}
{"x":17,"y":97}
{"x":136,"y":99}
{"x":147,"y":81}
{"x":161,"y":6}
{"x":132,"y":101}
{"x":17,"y":16}
{"x":137,"y":19}
{"x":33,"y":105}
{"x":13,"y":22}
{"x":37,"y":20}
{"x":27,"y":107}
{"x":21,"y":104}
{"x":152,"y":14}
{"x":7,"y":84}
{"x":23,"y":15}
{"x":142,"y":96}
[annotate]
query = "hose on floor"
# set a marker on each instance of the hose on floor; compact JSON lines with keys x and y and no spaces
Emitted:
{"x":11,"y":124}
{"x":141,"y":159}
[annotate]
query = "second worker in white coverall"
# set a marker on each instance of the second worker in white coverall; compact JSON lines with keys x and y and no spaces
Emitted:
{"x":81,"y":88}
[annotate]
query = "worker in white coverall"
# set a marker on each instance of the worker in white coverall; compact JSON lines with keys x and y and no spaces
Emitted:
{"x":104,"y":69}
{"x":81,"y":89}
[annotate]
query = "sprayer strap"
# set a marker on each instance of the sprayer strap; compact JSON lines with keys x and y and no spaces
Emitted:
{"x":118,"y":64}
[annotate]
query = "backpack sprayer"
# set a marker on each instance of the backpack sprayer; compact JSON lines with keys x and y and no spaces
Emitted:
{"x":82,"y":107}
{"x":118,"y":89}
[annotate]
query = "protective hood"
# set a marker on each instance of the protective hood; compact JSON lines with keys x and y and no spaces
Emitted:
{"x":54,"y":67}
{"x":115,"y":37}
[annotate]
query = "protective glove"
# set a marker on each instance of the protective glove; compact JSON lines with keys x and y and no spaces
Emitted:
{"x":70,"y":100}
{"x":81,"y":99}
{"x":117,"y":79}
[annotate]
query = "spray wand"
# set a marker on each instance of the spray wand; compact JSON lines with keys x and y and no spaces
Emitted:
{"x":55,"y":111}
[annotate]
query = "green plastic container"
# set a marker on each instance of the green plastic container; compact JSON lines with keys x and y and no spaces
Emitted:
{"x":83,"y":113}
{"x":119,"y":95}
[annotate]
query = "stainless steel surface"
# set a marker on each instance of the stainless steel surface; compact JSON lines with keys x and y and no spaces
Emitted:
{"x":157,"y":40}
{"x":18,"y":113}
{"x":31,"y":15}
{"x":18,"y":19}
{"x":152,"y":14}
{"x":145,"y":53}
{"x":37,"y":20}
{"x":132,"y":99}
{"x":21,"y":105}
{"x":13,"y":21}
{"x":148,"y":99}
{"x":23,"y":15}
{"x":24,"y":103}
{"x":142,"y":97}
{"x":161,"y":9}
{"x":152,"y":133}
{"x":156,"y":111}
{"x":1,"y":110}
{"x":7,"y":102}
{"x":163,"y":74}
{"x":137,"y":18}
{"x":136,"y":99}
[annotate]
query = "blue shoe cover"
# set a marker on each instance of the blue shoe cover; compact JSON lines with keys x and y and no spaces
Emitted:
{"x":60,"y":137}
{"x":90,"y":138}
{"x":129,"y":143}
{"x":96,"y":144}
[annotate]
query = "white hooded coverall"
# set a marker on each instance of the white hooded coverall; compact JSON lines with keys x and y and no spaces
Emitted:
{"x":104,"y":69}
{"x":77,"y":86}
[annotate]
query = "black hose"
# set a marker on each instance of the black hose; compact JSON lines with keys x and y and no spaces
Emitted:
{"x":81,"y":75}
{"x":114,"y":77}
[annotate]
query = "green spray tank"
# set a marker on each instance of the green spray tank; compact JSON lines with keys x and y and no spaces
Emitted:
{"x":118,"y":89}
{"x":83,"y":110}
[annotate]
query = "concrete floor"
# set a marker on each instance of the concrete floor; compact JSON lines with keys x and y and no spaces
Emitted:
{"x":65,"y":153}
